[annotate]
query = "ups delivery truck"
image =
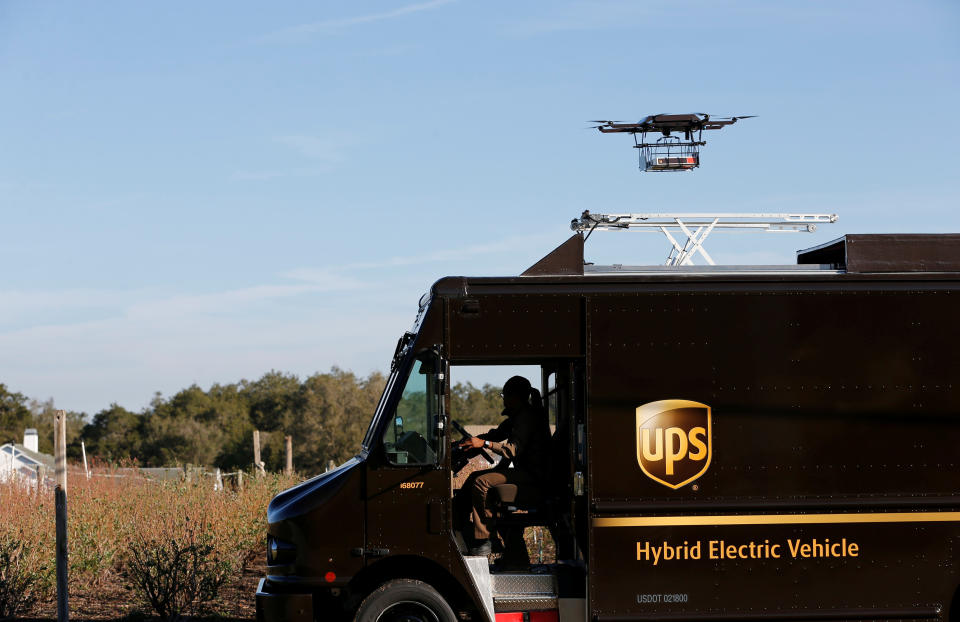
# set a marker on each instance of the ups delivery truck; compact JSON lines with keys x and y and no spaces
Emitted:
{"x":731,"y":443}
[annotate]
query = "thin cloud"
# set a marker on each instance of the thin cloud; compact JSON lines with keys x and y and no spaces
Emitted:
{"x":345,"y":22}
{"x":31,"y":301}
{"x":144,"y":341}
{"x":439,"y":256}
{"x":396,"y":50}
{"x":323,"y":152}
{"x":595,"y":15}
{"x":583,"y":16}
{"x":314,"y":147}
{"x":32,"y":307}
{"x":224,"y":301}
{"x":85,"y":366}
{"x":268,"y":175}
{"x":29,"y":309}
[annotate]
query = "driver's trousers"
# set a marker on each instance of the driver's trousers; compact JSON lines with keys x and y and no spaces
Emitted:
{"x":471,"y":499}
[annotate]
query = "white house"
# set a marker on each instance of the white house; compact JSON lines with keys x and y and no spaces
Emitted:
{"x":21,"y":461}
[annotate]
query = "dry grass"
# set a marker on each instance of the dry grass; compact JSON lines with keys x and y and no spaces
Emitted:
{"x":108,"y":515}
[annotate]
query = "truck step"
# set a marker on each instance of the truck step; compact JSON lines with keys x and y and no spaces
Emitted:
{"x":523,"y":585}
{"x":524,"y":603}
{"x":528,"y":616}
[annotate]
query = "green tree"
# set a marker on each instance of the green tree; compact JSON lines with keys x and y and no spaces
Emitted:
{"x":15,"y":416}
{"x":115,"y":434}
{"x":470,"y":405}
{"x":183,"y":429}
{"x":17,"y":413}
{"x":336,"y":410}
{"x":232,"y":408}
{"x":44,"y":414}
{"x":327,"y":415}
{"x":275,"y":400}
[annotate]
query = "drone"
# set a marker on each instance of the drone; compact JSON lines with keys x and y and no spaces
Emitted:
{"x":669,"y":153}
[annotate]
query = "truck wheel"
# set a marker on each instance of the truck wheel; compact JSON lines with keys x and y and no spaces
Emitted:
{"x":405,"y":600}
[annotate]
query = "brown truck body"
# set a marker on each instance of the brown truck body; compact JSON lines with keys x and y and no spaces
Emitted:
{"x":743,"y":443}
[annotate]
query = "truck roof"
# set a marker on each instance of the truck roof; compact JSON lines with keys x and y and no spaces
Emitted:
{"x":853,"y":257}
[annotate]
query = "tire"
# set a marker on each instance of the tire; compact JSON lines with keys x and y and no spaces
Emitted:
{"x":405,"y":600}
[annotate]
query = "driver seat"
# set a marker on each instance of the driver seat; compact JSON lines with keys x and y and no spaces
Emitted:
{"x":533,"y":505}
{"x":516,"y":507}
{"x":510,"y":498}
{"x":534,"y":502}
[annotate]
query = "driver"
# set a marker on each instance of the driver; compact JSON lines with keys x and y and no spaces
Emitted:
{"x":523,"y":440}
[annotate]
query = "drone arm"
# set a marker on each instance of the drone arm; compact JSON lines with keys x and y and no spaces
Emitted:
{"x":610,"y":130}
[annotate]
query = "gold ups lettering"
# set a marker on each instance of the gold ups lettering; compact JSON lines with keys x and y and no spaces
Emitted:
{"x":674,"y":441}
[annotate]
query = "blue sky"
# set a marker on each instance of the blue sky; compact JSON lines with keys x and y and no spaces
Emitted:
{"x":202,"y":192}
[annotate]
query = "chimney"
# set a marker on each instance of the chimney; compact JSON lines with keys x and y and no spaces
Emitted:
{"x":30,"y":439}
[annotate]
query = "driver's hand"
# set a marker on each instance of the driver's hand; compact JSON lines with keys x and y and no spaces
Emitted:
{"x":473,"y":442}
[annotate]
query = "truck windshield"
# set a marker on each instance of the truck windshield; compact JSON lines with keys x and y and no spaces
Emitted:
{"x":411,"y":437}
{"x":387,"y":390}
{"x":396,"y":365}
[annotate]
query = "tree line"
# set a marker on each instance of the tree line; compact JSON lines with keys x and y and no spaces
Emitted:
{"x":326,"y":414}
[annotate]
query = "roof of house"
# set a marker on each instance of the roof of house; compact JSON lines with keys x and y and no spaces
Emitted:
{"x":28,"y":456}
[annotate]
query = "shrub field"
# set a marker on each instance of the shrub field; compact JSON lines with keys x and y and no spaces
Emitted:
{"x":137,"y":547}
{"x":140,"y":548}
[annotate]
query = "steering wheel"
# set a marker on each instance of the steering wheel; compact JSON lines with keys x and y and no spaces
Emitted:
{"x":472,"y":452}
{"x":459,"y":428}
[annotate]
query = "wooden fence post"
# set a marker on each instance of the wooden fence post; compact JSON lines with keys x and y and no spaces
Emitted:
{"x":256,"y":453}
{"x":60,"y":503}
{"x":289,"y":443}
{"x":239,"y":481}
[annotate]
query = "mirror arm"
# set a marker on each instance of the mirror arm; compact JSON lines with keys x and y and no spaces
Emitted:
{"x":441,"y":369}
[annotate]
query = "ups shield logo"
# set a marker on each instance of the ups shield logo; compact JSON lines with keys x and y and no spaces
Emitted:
{"x":674,"y":441}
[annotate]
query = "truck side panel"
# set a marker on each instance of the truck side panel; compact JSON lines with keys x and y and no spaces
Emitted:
{"x":832,"y":416}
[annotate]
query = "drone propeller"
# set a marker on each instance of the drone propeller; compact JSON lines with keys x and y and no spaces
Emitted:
{"x":739,"y":116}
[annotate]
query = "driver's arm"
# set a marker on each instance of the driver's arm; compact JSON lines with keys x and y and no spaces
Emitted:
{"x":499,"y":433}
{"x":517,"y":440}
